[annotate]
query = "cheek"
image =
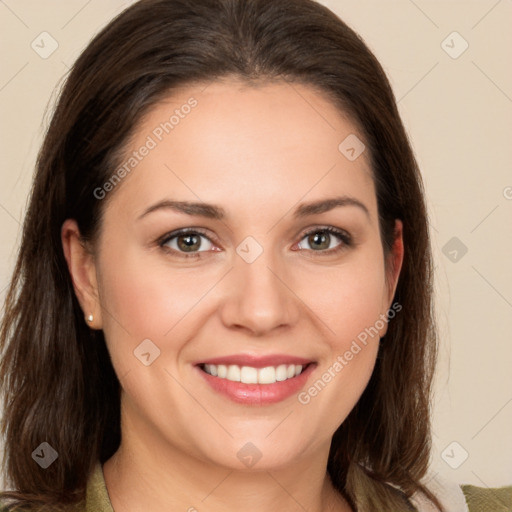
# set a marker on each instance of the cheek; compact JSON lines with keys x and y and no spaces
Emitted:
{"x":348,"y":298}
{"x":147,"y":300}
{"x":349,"y":301}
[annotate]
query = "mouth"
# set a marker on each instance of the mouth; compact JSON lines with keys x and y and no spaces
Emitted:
{"x":256,"y":380}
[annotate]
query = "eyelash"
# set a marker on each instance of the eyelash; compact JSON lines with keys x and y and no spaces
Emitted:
{"x":343,"y":236}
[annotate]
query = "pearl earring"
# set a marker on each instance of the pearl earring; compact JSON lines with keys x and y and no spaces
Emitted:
{"x":90,"y":318}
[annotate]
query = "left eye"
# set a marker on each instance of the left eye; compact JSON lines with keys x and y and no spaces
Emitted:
{"x":324,"y":239}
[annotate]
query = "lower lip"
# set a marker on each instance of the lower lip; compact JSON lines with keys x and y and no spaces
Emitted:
{"x":258,"y":394}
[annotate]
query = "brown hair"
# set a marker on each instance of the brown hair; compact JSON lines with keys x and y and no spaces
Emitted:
{"x":57,"y":380}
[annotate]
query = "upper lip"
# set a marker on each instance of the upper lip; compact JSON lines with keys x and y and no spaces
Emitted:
{"x":256,"y":361}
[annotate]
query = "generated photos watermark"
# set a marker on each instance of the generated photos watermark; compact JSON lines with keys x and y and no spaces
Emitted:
{"x":157,"y":135}
{"x":304,"y":397}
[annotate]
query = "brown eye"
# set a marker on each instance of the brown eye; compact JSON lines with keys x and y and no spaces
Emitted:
{"x":320,"y":240}
{"x":191,"y":242}
{"x":188,"y":243}
{"x":325,"y":240}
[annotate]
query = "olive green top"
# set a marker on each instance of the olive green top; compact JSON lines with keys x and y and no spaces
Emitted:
{"x":97,"y":499}
{"x":488,"y":500}
{"x":478,"y":499}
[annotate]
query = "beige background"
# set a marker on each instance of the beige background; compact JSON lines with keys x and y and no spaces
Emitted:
{"x":457,"y":111}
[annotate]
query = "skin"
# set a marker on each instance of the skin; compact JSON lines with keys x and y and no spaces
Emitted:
{"x":258,"y":152}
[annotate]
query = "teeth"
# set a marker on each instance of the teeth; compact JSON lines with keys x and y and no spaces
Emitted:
{"x":234,"y":373}
{"x":267,"y":375}
{"x":250,"y":375}
{"x":281,"y":372}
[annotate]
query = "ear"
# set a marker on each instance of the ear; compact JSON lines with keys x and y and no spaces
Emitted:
{"x":82,"y":269}
{"x":394,"y":262}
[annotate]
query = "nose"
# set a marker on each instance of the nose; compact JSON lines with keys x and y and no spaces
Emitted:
{"x":258,"y":298}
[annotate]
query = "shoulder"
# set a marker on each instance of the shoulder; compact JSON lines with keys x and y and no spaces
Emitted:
{"x":481,"y":499}
{"x":96,"y":496}
{"x":455,"y":497}
{"x":78,"y":507}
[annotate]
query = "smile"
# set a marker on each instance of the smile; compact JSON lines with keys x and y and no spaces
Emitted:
{"x":256,"y":380}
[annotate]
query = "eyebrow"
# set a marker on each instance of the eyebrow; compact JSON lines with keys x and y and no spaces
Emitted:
{"x":211,"y":211}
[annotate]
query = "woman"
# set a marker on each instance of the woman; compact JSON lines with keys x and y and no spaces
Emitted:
{"x":223,"y":294}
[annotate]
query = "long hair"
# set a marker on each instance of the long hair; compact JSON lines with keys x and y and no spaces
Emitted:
{"x":57,"y":381}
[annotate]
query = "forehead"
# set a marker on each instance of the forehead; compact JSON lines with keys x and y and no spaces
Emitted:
{"x":246,"y":147}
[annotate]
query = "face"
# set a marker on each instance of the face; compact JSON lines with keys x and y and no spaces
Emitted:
{"x":254,"y":314}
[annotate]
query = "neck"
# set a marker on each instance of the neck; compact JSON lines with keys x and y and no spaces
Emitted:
{"x":150,"y":474}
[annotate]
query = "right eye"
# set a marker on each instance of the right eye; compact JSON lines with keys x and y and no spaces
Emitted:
{"x":187,"y":242}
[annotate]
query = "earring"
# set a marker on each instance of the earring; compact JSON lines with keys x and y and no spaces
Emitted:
{"x":90,"y":318}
